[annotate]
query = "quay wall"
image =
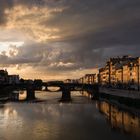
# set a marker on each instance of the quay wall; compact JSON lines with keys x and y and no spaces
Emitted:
{"x":128,"y":97}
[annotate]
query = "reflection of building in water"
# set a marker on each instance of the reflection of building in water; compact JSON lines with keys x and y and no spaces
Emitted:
{"x":120,"y":119}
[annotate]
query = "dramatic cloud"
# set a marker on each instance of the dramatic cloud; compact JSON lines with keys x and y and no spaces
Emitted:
{"x":62,"y":36}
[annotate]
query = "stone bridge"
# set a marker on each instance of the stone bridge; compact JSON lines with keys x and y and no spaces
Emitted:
{"x":65,"y":88}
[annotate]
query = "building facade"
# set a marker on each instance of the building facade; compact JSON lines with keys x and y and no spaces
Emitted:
{"x":89,"y":79}
{"x":13,"y":79}
{"x":3,"y":77}
{"x":124,"y":70}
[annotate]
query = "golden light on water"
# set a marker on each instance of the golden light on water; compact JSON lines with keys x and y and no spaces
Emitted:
{"x":22,"y":95}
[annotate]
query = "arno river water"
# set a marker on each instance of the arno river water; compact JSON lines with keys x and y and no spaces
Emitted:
{"x":82,"y":119}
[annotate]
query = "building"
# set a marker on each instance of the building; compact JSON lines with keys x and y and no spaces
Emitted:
{"x":71,"y":81}
{"x":119,"y":74}
{"x":3,"y":76}
{"x":13,"y":79}
{"x":104,"y":75}
{"x":89,"y":79}
{"x":124,"y":70}
{"x":8,"y":79}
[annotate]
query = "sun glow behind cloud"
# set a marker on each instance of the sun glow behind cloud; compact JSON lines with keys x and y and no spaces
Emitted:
{"x":4,"y":46}
{"x":29,"y":19}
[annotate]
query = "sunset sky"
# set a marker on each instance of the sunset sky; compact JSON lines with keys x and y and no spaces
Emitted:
{"x":60,"y":39}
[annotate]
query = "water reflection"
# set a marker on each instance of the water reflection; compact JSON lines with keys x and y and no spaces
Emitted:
{"x":127,"y":122}
{"x":53,"y":88}
{"x":50,"y":97}
{"x":51,"y":120}
{"x":22,"y":95}
{"x":18,"y":95}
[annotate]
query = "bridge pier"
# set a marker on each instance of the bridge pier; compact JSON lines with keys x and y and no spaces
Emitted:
{"x":14,"y":96}
{"x":66,"y":95}
{"x":30,"y":93}
{"x":95,"y":92}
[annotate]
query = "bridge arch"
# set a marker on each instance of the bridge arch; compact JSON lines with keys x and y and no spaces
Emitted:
{"x":53,"y":88}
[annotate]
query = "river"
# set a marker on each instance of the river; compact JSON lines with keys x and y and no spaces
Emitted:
{"x":82,"y":119}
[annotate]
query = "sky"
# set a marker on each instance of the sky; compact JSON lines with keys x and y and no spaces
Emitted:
{"x":60,"y":39}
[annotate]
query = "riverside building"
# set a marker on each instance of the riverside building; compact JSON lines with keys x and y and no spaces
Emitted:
{"x":121,"y":70}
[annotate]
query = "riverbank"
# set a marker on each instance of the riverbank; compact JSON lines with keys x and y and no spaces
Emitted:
{"x":128,"y":97}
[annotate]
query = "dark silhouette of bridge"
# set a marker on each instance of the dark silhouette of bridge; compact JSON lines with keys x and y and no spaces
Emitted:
{"x":65,"y":88}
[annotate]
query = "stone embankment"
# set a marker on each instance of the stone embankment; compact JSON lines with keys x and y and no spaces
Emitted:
{"x":129,"y":97}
